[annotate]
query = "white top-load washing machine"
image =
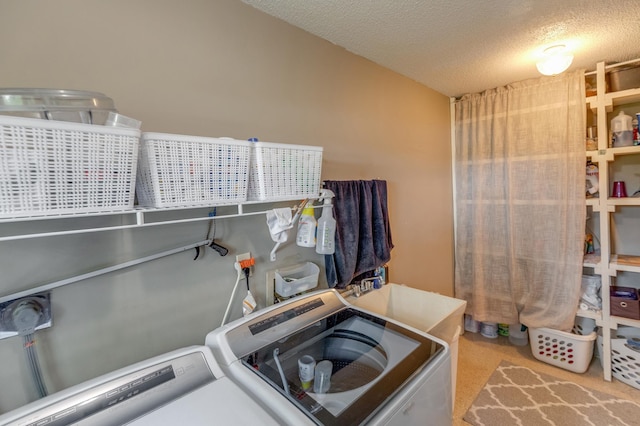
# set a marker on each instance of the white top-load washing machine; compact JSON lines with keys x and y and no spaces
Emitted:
{"x":183,"y":387}
{"x":383,"y":372}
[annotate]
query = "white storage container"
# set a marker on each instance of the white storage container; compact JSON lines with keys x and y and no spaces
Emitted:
{"x":518,"y":334}
{"x":77,"y":106}
{"x":59,"y":167}
{"x":625,"y":355}
{"x":432,"y":313}
{"x":282,"y":171}
{"x":565,"y":350}
{"x":622,"y":130}
{"x":296,"y":279}
{"x":180,"y":170}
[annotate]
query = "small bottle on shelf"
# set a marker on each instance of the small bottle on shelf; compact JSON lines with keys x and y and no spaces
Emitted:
{"x":326,"y":230}
{"x":307,"y":228}
{"x":592,"y":140}
{"x":622,"y":130}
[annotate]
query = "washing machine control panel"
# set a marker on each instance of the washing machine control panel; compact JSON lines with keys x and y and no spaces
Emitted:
{"x":279,"y":321}
{"x":282,"y":317}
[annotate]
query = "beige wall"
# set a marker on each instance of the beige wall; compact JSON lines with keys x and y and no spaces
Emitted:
{"x":211,"y":68}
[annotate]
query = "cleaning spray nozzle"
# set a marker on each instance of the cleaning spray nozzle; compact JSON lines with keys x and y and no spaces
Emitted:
{"x":326,"y":195}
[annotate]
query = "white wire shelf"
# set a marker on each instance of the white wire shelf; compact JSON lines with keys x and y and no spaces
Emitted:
{"x":138,"y":217}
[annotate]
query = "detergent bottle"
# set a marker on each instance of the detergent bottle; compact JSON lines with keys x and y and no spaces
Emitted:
{"x":592,"y":184}
{"x":326,"y":230}
{"x":307,"y":228}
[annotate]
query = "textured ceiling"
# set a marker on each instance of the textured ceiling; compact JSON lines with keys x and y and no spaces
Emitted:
{"x":467,"y":46}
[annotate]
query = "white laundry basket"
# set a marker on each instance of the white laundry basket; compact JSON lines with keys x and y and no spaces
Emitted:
{"x":433,"y":313}
{"x":625,"y":355}
{"x":570,"y":351}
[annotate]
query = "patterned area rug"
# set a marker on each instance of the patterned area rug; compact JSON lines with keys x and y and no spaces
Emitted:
{"x":516,"y":395}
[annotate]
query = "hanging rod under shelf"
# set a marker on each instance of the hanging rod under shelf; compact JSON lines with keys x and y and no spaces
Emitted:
{"x":96,"y":273}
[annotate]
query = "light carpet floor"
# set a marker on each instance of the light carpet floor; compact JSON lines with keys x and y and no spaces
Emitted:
{"x":478,"y":358}
{"x":522,"y":396}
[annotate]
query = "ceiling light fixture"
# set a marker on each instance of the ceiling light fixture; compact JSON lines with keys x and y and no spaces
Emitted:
{"x":556,"y":59}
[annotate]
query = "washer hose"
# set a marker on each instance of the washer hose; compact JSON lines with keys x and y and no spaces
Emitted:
{"x":25,"y":316}
{"x":34,"y":364}
{"x":285,"y":384}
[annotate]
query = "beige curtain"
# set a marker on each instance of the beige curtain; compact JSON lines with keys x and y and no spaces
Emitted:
{"x":520,"y":201}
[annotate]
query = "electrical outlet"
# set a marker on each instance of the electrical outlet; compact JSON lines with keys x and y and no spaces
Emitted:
{"x":244,"y":256}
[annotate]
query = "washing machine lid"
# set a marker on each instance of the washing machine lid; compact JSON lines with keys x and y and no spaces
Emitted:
{"x":184,"y":386}
{"x":220,"y":402}
{"x":372,"y":358}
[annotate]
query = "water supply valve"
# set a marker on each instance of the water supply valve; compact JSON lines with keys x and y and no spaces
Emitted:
{"x":25,"y":315}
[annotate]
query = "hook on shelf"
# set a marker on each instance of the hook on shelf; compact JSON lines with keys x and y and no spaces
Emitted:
{"x":298,"y":209}
{"x":324,"y":194}
{"x":222,"y":251}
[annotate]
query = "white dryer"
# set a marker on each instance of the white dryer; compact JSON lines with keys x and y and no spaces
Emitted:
{"x":185,"y":386}
{"x":384,"y":373}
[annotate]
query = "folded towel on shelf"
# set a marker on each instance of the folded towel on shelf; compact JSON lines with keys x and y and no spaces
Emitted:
{"x":279,"y":222}
{"x":363,"y":232}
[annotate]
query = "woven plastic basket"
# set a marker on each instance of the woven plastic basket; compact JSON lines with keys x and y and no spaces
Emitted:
{"x":180,"y":170}
{"x":281,"y":171}
{"x":58,"y":167}
{"x":565,"y":350}
{"x":625,"y":355}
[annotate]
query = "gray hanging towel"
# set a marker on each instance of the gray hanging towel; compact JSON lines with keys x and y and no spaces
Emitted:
{"x":363,"y":233}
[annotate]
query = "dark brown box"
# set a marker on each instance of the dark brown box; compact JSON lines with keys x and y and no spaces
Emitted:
{"x":623,"y":306}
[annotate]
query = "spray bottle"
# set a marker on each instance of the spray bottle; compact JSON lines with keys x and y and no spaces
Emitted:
{"x":307,"y":228}
{"x":326,"y":227}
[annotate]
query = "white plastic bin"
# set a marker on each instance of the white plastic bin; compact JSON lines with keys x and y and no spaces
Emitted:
{"x":283,"y":171}
{"x":296,"y":279}
{"x":60,"y":167}
{"x":184,"y":170}
{"x":433,"y":313}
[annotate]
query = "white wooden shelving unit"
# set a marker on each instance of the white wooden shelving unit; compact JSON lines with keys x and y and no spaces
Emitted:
{"x":608,"y":263}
